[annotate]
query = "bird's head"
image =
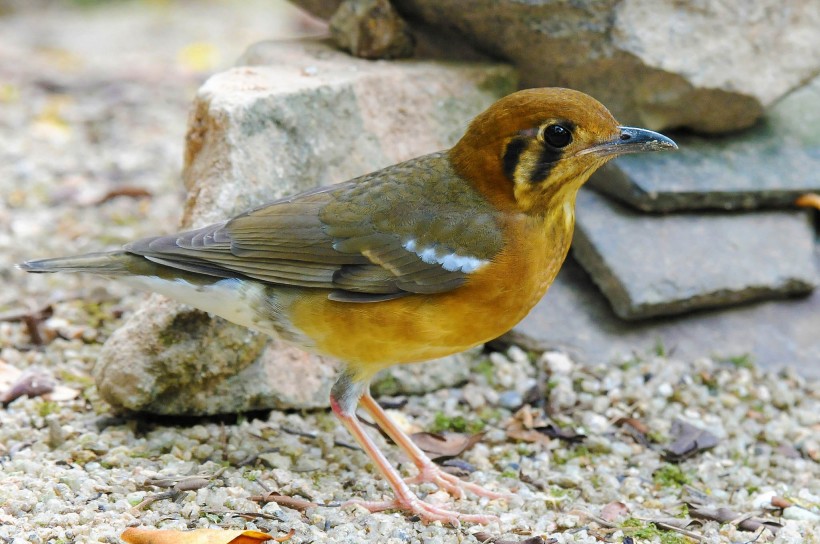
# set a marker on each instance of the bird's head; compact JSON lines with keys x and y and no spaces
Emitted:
{"x":534,"y":149}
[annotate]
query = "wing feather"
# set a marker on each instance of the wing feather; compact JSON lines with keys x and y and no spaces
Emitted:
{"x":385,"y":235}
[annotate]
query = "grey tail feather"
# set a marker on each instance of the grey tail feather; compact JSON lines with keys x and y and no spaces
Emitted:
{"x":111,"y":263}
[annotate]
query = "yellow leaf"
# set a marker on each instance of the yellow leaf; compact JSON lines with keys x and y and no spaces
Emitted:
{"x":809,"y":200}
{"x":135,"y":535}
{"x":199,"y":56}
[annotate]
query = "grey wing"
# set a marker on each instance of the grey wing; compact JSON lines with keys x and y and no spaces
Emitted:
{"x":360,"y":240}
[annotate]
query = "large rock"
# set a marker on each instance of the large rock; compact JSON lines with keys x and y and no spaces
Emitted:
{"x":769,"y":165}
{"x":294,"y":116}
{"x":711,"y":66}
{"x":575,"y":318}
{"x":650,"y":265}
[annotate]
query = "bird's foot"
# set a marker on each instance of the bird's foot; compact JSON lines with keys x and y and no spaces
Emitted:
{"x":453,"y":485}
{"x":427,"y":512}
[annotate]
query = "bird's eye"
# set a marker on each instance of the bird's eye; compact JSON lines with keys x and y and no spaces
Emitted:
{"x":557,"y":136}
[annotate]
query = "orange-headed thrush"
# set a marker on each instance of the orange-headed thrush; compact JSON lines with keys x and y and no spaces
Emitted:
{"x":419,"y":260}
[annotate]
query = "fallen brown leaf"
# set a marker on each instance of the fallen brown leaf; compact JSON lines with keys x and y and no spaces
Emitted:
{"x":726,"y":515}
{"x":134,"y":535}
{"x":445,"y":445}
{"x":809,"y":200}
{"x":294,"y":503}
{"x":614,"y":510}
{"x":32,"y":317}
{"x":553,"y":431}
{"x":130,"y":192}
{"x":33,"y":383}
{"x":688,"y":440}
{"x":780,"y":502}
{"x":636,"y":428}
{"x":489,"y":539}
{"x":527,"y":425}
{"x":636,"y":424}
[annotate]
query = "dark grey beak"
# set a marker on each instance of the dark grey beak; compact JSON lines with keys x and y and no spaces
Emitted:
{"x":634,"y":140}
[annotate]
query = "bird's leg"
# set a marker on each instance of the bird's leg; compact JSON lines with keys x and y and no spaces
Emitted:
{"x":428,"y":471}
{"x":344,"y":397}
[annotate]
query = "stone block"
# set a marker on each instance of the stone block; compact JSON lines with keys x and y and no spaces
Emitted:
{"x":769,"y":165}
{"x":650,"y":265}
{"x":709,"y":66}
{"x":574,"y":317}
{"x":294,"y":115}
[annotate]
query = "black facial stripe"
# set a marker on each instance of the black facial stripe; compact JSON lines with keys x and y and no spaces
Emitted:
{"x":549,"y":157}
{"x":512,"y":154}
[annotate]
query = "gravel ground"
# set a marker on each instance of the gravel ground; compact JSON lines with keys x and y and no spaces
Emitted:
{"x":93,"y":103}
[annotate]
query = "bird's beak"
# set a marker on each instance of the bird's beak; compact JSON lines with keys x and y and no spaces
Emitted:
{"x":632,"y":140}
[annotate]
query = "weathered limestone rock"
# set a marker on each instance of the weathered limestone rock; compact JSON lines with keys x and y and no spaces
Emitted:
{"x":769,"y":165}
{"x":711,"y":66}
{"x":296,"y":115}
{"x":371,"y":29}
{"x":575,"y":318}
{"x":649,"y":265}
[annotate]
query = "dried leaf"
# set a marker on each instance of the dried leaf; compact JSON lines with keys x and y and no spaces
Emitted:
{"x":553,"y":431}
{"x":636,"y":424}
{"x":636,"y":428}
{"x":516,"y":431}
{"x":33,"y":383}
{"x":127,"y":191}
{"x":457,"y":467}
{"x":294,"y":503}
{"x":726,"y":515}
{"x":530,"y":427}
{"x":614,"y":510}
{"x":135,"y":535}
{"x":688,"y":440}
{"x":445,"y":445}
{"x":489,"y":539}
{"x":780,"y":502}
{"x":809,"y":200}
{"x":32,"y":318}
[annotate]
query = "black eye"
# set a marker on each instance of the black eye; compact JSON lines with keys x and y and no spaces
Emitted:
{"x":557,"y":136}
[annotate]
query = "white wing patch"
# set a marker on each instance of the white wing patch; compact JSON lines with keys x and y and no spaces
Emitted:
{"x":449,"y":260}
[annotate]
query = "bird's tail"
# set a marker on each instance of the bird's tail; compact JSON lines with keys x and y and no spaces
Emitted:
{"x":109,"y":263}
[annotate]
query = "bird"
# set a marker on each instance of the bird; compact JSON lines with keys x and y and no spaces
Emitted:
{"x":416,"y":261}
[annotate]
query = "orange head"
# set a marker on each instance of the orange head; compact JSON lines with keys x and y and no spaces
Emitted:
{"x":534,"y":149}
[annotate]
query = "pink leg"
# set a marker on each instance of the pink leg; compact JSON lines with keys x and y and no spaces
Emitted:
{"x":428,"y":471}
{"x":405,"y":499}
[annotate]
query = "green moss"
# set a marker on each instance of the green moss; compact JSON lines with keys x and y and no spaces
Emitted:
{"x":510,"y":473}
{"x":575,"y":452}
{"x":630,"y":364}
{"x":670,"y":476}
{"x":486,"y":368}
{"x":656,"y":437}
{"x":739,"y":361}
{"x":649,"y":531}
{"x":660,"y":349}
{"x":47,"y":407}
{"x":386,"y":385}
{"x":459,"y":424}
{"x":596,"y":481}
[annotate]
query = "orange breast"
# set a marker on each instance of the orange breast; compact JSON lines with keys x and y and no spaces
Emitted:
{"x":373,"y":336}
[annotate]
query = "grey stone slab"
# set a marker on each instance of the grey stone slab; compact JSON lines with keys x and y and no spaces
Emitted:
{"x":709,"y":66}
{"x":649,"y":265}
{"x":769,"y":165}
{"x":575,"y":318}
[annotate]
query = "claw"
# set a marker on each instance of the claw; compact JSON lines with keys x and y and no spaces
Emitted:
{"x":452,"y":484}
{"x":426,"y":512}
